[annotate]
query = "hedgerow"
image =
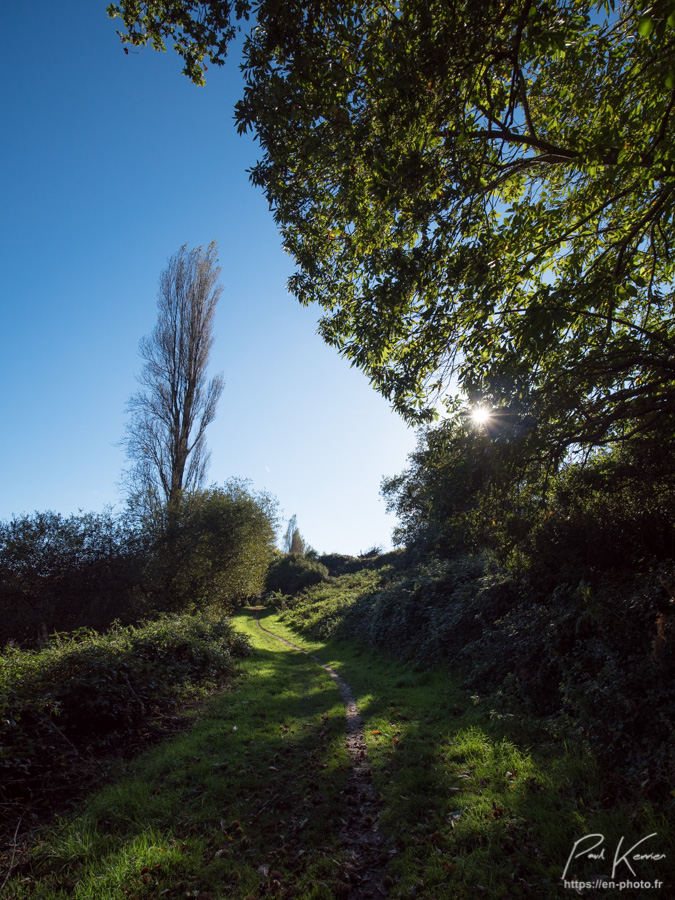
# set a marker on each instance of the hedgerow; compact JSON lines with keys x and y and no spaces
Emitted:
{"x":210,"y":549}
{"x":318,"y":610}
{"x":291,"y":573}
{"x":597,"y":656}
{"x":83,"y":695}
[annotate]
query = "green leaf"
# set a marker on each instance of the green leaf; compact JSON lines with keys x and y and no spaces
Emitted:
{"x":645,"y":26}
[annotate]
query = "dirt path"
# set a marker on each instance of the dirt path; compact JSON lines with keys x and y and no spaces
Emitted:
{"x":360,"y":833}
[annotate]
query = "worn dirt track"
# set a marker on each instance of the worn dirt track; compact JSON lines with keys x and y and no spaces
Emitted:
{"x":360,"y":834}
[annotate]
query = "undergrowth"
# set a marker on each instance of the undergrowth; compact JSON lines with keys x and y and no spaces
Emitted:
{"x":88,"y":695}
{"x":584,"y":653}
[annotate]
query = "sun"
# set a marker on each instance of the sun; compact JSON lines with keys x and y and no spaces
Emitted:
{"x":481,"y":415}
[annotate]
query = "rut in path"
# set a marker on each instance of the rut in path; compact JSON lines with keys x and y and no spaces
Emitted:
{"x":360,"y":834}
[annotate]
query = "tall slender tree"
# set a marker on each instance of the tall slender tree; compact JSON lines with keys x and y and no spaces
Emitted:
{"x":291,"y":528}
{"x":165,"y":436}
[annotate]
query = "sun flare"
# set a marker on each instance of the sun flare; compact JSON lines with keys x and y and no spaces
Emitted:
{"x":481,"y":415}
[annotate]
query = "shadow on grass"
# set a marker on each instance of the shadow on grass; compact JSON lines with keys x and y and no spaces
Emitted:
{"x":475,"y":803}
{"x":250,"y":801}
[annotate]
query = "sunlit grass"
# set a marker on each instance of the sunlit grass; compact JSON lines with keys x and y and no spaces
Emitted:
{"x":252,"y":795}
{"x":472,"y":804}
{"x":476,"y":805}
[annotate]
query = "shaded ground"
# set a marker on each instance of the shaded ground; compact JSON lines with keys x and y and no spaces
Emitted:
{"x":266,"y":796}
{"x":360,"y":833}
{"x":249,"y":803}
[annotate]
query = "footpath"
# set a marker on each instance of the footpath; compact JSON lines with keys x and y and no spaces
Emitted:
{"x":360,"y":833}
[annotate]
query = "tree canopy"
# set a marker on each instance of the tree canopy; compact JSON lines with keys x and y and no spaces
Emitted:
{"x":478,"y":194}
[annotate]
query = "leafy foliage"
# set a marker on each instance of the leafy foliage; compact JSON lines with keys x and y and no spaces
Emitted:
{"x":465,"y":490}
{"x":61,"y":572}
{"x":293,"y":541}
{"x":82,"y":694}
{"x":481,"y":191}
{"x":473,"y":490}
{"x":616,"y":511}
{"x":211,"y":548}
{"x":471,"y":190}
{"x":320,"y":607}
{"x":291,"y":573}
{"x":196,"y":27}
{"x":598,"y":655}
{"x":340,"y":564}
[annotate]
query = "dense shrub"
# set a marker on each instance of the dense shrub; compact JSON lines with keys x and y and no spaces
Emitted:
{"x":615,"y":511}
{"x":339,"y":564}
{"x":470,"y":491}
{"x":417,"y":613}
{"x":213,"y":548}
{"x":85,"y":692}
{"x":600,"y":654}
{"x":61,"y":573}
{"x":465,"y":491}
{"x":319,"y":609}
{"x":290,"y":574}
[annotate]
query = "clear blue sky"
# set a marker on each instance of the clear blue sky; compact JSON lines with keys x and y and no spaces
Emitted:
{"x":110,"y":163}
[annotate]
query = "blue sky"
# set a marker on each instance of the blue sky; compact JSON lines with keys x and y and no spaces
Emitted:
{"x":110,"y":164}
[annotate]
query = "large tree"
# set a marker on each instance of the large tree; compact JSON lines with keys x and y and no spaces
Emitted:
{"x":473,"y":191}
{"x":165,"y":436}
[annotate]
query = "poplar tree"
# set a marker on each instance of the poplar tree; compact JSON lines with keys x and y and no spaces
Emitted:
{"x":166,"y":434}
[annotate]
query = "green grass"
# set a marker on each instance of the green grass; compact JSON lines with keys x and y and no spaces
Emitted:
{"x":249,"y":803}
{"x":251,"y":795}
{"x":319,"y":608}
{"x":476,"y":804}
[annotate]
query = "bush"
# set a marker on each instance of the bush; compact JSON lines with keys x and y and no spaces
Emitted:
{"x":599,"y":654}
{"x":339,"y":564}
{"x":64,"y":573}
{"x":87,"y":691}
{"x":213,"y":548}
{"x":319,"y":609}
{"x":614,"y":512}
{"x":418,"y":613}
{"x":291,"y":574}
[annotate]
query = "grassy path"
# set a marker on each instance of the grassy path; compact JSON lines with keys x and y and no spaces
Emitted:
{"x":360,"y":834}
{"x":476,"y":804}
{"x":258,"y":800}
{"x":249,"y":803}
